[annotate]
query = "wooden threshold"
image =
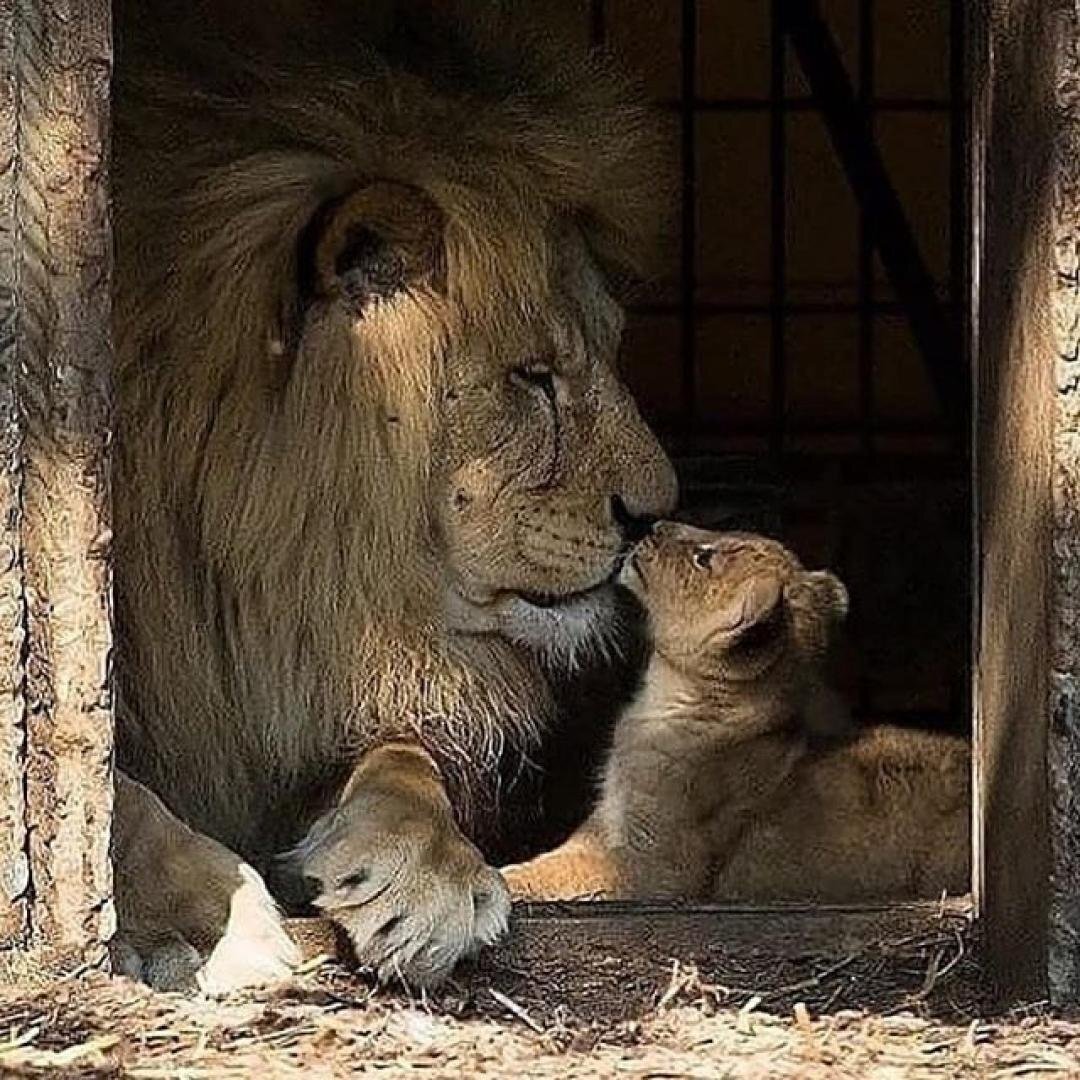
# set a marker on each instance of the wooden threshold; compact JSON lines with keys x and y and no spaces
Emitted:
{"x":576,"y":931}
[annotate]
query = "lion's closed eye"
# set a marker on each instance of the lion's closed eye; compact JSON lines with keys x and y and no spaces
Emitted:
{"x":536,"y":377}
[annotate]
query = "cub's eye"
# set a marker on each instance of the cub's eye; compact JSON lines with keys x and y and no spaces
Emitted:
{"x":703,"y":557}
{"x":536,"y":375}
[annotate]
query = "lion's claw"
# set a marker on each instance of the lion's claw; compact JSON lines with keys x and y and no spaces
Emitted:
{"x":413,"y":894}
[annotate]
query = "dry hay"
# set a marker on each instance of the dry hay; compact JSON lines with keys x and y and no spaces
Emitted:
{"x":923,"y":1011}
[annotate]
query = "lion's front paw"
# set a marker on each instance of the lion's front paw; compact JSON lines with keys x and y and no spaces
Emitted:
{"x":414,"y":895}
{"x":242,"y":939}
{"x":191,"y":913}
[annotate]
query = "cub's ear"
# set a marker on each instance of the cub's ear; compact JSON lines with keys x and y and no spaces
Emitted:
{"x":822,"y":592}
{"x":751,"y":615}
{"x":367,"y":247}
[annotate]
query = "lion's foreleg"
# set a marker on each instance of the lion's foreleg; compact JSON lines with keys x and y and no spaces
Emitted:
{"x":189,"y":911}
{"x":392,"y":868}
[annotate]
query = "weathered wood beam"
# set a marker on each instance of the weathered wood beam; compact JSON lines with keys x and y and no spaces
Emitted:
{"x":55,"y":433}
{"x":1064,"y":738}
{"x":14,"y":866}
{"x":571,"y":932}
{"x":1025,"y":498}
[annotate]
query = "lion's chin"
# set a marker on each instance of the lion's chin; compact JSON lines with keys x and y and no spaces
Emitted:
{"x":567,"y":633}
{"x":563,"y":633}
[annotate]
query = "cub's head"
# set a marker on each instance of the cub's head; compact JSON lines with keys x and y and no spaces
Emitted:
{"x":732,"y":607}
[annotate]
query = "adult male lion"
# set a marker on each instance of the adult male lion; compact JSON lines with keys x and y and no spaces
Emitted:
{"x":375,"y":464}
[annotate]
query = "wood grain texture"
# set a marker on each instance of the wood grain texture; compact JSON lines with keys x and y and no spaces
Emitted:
{"x":1014,"y":146}
{"x":14,"y":865}
{"x":572,"y":931}
{"x":1064,"y":741}
{"x":57,"y":375}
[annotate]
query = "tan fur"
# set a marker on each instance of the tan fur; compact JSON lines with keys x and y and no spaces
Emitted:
{"x":206,"y":918}
{"x":716,"y":787}
{"x":332,"y":520}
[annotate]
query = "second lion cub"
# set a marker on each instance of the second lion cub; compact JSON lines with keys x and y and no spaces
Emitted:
{"x":717,"y":786}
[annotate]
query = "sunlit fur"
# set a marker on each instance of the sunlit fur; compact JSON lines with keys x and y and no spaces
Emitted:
{"x":278,"y":578}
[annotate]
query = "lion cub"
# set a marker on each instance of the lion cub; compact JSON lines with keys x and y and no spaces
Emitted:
{"x":729,"y":777}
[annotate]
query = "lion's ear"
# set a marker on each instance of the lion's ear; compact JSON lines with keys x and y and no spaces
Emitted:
{"x":383,"y":238}
{"x":751,"y":615}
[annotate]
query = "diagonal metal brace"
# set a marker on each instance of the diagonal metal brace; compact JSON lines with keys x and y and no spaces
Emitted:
{"x":936,"y":335}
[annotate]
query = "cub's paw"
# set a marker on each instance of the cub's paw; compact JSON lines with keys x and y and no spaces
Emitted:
{"x":413,"y":894}
{"x":582,"y":868}
{"x":523,"y":882}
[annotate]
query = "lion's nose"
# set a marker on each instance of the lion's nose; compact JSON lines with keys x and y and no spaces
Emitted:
{"x":634,"y":527}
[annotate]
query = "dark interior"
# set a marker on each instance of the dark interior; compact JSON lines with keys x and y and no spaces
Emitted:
{"x":802,"y":354}
{"x":802,"y":350}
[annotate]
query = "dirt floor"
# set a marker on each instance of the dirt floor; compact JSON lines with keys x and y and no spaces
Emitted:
{"x":912,"y":1006}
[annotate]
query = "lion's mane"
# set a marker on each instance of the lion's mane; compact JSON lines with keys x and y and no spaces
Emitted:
{"x":278,"y":603}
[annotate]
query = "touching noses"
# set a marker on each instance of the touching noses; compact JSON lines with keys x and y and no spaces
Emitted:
{"x":635,"y":527}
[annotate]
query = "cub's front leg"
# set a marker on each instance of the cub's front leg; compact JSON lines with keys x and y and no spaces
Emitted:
{"x":582,"y":868}
{"x":637,"y":844}
{"x":390,"y":865}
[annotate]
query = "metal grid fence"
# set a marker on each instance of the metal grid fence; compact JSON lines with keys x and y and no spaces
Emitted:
{"x":782,"y":405}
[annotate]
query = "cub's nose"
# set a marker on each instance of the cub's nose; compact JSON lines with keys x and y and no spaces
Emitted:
{"x":634,"y":527}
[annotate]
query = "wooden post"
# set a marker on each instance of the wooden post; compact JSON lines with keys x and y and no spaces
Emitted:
{"x":14,"y":863}
{"x":1012,"y":91}
{"x":1027,"y":142}
{"x":1064,"y":742}
{"x":55,"y":431}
